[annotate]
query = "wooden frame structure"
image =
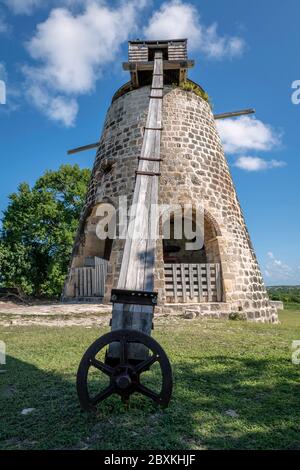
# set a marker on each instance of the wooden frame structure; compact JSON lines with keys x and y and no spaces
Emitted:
{"x":193,"y":283}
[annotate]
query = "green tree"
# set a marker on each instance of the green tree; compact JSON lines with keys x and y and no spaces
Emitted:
{"x":38,"y":229}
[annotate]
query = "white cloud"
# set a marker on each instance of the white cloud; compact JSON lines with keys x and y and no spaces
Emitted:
{"x":247,"y":133}
{"x":257,"y":164}
{"x":57,"y":108}
{"x":23,"y":7}
{"x":216,"y":46}
{"x":72,"y":51}
{"x":279,"y":271}
{"x":177,"y":19}
{"x":71,"y":48}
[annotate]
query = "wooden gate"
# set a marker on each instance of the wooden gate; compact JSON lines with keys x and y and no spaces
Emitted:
{"x":195,"y":283}
{"x":90,"y":281}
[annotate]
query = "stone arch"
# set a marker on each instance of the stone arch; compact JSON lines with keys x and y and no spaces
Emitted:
{"x":212,"y":233}
{"x":93,"y":245}
{"x":174,"y":250}
{"x":87,"y":242}
{"x":209,"y":217}
{"x":177,"y":248}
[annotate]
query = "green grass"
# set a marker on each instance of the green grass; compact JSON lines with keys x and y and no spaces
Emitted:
{"x":218,"y":366}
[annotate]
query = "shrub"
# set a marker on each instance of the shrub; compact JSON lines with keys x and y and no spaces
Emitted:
{"x":194,"y":88}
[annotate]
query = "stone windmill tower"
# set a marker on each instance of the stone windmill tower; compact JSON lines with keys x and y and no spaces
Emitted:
{"x":160,"y":144}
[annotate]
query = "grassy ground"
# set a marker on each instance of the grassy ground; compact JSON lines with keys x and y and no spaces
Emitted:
{"x":218,"y":366}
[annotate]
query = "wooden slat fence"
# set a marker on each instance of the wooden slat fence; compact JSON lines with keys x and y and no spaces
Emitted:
{"x":90,"y":281}
{"x":196,"y":283}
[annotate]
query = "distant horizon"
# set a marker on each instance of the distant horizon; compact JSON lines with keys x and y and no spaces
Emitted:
{"x":282,"y":285}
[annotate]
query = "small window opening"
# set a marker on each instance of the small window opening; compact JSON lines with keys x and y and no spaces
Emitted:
{"x":107,"y":169}
{"x":152,"y":50}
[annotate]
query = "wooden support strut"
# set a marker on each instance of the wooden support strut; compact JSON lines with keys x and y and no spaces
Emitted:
{"x":137,"y":268}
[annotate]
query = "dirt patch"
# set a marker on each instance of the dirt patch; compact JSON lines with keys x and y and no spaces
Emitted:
{"x":52,"y":308}
{"x":57,"y":314}
{"x":54,"y":314}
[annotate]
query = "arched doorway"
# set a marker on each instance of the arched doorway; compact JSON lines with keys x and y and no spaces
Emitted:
{"x":193,"y":274}
{"x":93,"y":245}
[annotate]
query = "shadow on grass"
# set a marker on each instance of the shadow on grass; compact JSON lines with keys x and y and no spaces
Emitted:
{"x":264,"y":394}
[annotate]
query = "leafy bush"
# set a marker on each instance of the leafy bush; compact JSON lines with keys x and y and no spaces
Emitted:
{"x":286,"y":294}
{"x":38,"y":229}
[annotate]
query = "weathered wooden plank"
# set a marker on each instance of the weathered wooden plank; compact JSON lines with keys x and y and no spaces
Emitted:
{"x":182,"y":267}
{"x":199,"y":277}
{"x":76,"y":275}
{"x":84,"y":282}
{"x":83,"y":148}
{"x":97,"y":290}
{"x":137,"y":268}
{"x":81,"y":289}
{"x":88,"y":283}
{"x":174,"y":269}
{"x":191,"y":276}
{"x":209,"y":286}
{"x":218,"y":283}
{"x":243,"y":112}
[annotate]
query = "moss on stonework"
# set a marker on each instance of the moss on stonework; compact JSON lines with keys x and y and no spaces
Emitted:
{"x":193,"y":87}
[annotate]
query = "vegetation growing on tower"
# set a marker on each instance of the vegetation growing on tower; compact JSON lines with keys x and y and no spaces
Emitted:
{"x":193,"y":87}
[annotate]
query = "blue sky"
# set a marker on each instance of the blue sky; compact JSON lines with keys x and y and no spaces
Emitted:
{"x":61,"y":62}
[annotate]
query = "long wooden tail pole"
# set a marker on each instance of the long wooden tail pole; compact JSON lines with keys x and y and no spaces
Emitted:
{"x":136,"y":280}
{"x":84,"y":148}
{"x":243,"y":112}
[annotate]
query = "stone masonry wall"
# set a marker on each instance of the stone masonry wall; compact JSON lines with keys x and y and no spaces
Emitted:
{"x":113,"y":174}
{"x":193,"y":169}
{"x":194,"y":164}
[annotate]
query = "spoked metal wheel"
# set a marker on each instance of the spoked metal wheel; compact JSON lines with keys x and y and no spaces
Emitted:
{"x":124,"y":376}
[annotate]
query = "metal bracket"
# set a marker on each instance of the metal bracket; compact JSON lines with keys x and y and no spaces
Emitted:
{"x":124,"y":296}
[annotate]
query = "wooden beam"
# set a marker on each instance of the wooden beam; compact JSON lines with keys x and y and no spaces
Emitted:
{"x":84,"y":148}
{"x":148,"y":173}
{"x":151,"y":159}
{"x":168,"y":65}
{"x":243,"y":112}
{"x":137,"y":267}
